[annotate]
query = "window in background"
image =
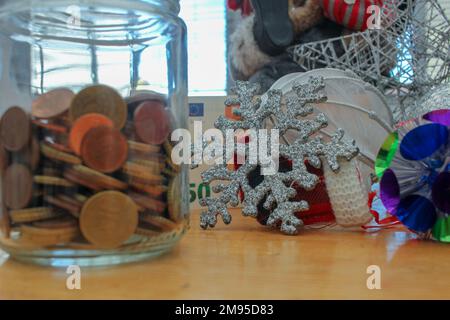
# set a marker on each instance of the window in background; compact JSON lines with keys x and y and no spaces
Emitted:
{"x":206,"y":23}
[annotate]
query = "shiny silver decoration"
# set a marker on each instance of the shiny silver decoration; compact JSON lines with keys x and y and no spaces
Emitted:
{"x":404,"y":56}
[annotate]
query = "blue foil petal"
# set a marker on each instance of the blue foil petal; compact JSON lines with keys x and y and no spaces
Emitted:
{"x":417,"y":213}
{"x":423,"y":141}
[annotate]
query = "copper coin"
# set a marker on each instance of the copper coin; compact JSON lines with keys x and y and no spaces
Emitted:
{"x":63,"y":204}
{"x":30,"y":155}
{"x":152,"y":122}
{"x":54,"y":127}
{"x":147,"y":202}
{"x":77,"y":178}
{"x":99,"y":99}
{"x":5,"y":226}
{"x":4,"y":159}
{"x":100,"y":179}
{"x":64,"y":222}
{"x":108,"y":219}
{"x":140,"y":96}
{"x":58,"y":146}
{"x":55,"y":154}
{"x":82,"y":125}
{"x":104,"y":149}
{"x":17,"y":186}
{"x":52,"y":103}
{"x":15,"y":129}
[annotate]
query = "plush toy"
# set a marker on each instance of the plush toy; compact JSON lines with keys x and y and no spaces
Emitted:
{"x":258,"y":44}
{"x":353,"y":14}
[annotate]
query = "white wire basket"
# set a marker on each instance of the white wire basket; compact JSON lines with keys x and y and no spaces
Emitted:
{"x":407,"y":55}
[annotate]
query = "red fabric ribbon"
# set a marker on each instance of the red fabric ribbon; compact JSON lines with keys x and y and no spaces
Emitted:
{"x":385,"y":223}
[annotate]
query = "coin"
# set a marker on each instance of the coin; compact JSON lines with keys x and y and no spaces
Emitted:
{"x":58,"y":146}
{"x":53,"y":127}
{"x":82,"y":125}
{"x":152,"y":122}
{"x":15,"y":129}
{"x":108,"y":219}
{"x":59,"y":223}
{"x":4,"y":159}
{"x":32,"y":214}
{"x":104,"y":149}
{"x":161,"y":223}
{"x":154,"y":167}
{"x":54,"y":181}
{"x":141,"y":172}
{"x":140,"y":96}
{"x":63,"y":204}
{"x":153,"y":191}
{"x":174,"y":197}
{"x":99,"y":99}
{"x":30,"y":155}
{"x":77,"y":178}
{"x":99,"y":178}
{"x":143,"y":147}
{"x":55,"y":154}
{"x":147,"y":232}
{"x":17,"y":186}
{"x":52,"y":104}
{"x":5,"y":226}
{"x":147,"y":202}
{"x":48,"y":236}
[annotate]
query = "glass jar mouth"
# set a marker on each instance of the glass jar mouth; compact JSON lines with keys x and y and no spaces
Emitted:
{"x":166,"y":7}
{"x":106,"y":22}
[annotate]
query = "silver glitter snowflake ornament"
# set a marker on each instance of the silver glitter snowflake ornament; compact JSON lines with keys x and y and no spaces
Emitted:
{"x":276,"y":190}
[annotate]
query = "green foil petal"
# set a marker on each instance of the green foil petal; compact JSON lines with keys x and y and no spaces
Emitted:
{"x":441,"y":230}
{"x":386,"y":154}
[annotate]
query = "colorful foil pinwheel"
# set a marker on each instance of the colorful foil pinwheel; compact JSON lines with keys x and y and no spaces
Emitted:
{"x":414,"y":166}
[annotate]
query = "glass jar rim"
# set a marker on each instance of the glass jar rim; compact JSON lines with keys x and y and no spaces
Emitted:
{"x":171,"y":7}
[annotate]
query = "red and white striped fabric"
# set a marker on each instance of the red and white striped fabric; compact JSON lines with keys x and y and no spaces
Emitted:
{"x":352,"y":14}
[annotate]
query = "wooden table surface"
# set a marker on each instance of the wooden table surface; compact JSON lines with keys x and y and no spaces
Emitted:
{"x":247,"y":261}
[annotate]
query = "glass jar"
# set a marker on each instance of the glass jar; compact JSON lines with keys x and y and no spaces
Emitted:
{"x":91,"y":91}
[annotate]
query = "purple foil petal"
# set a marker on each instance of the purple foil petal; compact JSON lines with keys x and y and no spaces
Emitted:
{"x":390,"y":191}
{"x":439,"y":116}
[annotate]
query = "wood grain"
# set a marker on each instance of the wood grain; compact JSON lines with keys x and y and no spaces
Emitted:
{"x":247,"y":261}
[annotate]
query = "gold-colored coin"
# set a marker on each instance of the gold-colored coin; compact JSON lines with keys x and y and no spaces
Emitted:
{"x":54,"y":181}
{"x":48,"y":236}
{"x":52,"y":153}
{"x":57,"y":201}
{"x":141,"y":172}
{"x":100,"y":178}
{"x":80,"y":197}
{"x":5,"y":226}
{"x":143,"y":147}
{"x":174,"y":199}
{"x":152,"y":190}
{"x":147,"y":232}
{"x":108,"y":219}
{"x":147,"y":202}
{"x":59,"y":223}
{"x":152,"y":164}
{"x":161,"y":223}
{"x":99,"y":99}
{"x":33,"y":214}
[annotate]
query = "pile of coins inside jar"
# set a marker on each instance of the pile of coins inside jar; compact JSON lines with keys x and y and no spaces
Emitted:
{"x":89,"y":168}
